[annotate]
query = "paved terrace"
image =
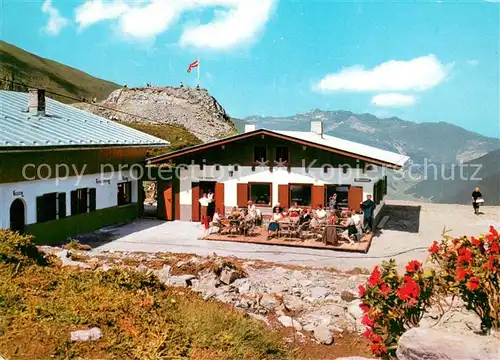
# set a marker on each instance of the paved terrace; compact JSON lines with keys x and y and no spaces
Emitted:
{"x":410,"y":230}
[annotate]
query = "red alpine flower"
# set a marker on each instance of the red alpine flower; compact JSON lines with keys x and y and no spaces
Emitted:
{"x":378,"y":349}
{"x":465,"y":255}
{"x":384,"y":289}
{"x":365,"y":308}
{"x":434,"y":248}
{"x":375,"y":277}
{"x":494,"y":248}
{"x":413,"y":266}
{"x":493,"y":231}
{"x":475,"y":242}
{"x":461,"y":273}
{"x":368,"y":333}
{"x":409,"y":290}
{"x":361,"y":290}
{"x":366,"y":320}
{"x":473,"y":283}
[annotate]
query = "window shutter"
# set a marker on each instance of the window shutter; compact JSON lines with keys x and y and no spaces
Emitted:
{"x":355,"y":197}
{"x":39,"y":209}
{"x":61,"y":205}
{"x":219,"y":198}
{"x":385,"y":185}
{"x":195,"y":200}
{"x":92,"y":199}
{"x":318,"y":195}
{"x":241,"y":194}
{"x":283,"y":195}
{"x":74,"y":202}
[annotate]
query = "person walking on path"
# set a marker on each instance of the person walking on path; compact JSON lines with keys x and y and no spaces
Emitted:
{"x":368,"y":207}
{"x":477,"y":198}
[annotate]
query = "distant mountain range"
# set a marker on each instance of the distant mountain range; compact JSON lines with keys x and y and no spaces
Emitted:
{"x":441,"y":142}
{"x":455,"y":184}
{"x":23,"y":67}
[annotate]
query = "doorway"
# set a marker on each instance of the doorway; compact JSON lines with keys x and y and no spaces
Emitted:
{"x":198,"y":189}
{"x":17,"y":217}
{"x":150,"y":198}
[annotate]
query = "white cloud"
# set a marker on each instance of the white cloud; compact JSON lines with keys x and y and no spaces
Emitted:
{"x":393,"y":100}
{"x":418,"y":74}
{"x":94,"y":11}
{"x":238,"y":23}
{"x":472,"y":63}
{"x":56,"y":22}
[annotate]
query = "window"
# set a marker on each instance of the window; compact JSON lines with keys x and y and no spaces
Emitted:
{"x":124,"y":193}
{"x":46,"y":207}
{"x":259,"y":154}
{"x":260,"y":194}
{"x":301,"y":194}
{"x":83,"y":200}
{"x":79,"y":201}
{"x":282,"y":154}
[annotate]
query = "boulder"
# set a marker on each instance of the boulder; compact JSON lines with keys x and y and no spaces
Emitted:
{"x":354,"y":309}
{"x":431,"y":344}
{"x":163,"y":273}
{"x":181,"y":280}
{"x":293,"y":303}
{"x":269,"y":301}
{"x":228,"y":276}
{"x":323,"y":335}
{"x":86,"y":335}
{"x":287,"y":321}
{"x":319,"y":292}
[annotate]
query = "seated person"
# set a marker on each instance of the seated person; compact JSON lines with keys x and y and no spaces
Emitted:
{"x":278,"y":206}
{"x":273,"y":227}
{"x":294,"y":210}
{"x":235,"y":213}
{"x":353,"y":224}
{"x":216,"y":224}
{"x":320,"y":216}
{"x":285,"y":212}
{"x":333,"y":219}
{"x":305,"y":216}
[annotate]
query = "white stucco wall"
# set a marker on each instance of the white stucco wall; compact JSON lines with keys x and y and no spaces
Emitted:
{"x":298,"y":175}
{"x":106,"y":194}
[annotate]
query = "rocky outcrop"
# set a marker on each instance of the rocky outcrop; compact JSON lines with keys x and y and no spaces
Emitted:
{"x":194,"y":109}
{"x":430,"y":344}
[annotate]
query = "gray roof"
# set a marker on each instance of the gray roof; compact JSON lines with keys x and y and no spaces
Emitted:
{"x":62,"y":126}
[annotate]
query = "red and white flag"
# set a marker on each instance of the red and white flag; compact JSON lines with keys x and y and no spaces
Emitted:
{"x":193,"y":65}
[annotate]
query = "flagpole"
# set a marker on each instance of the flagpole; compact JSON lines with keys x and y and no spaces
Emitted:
{"x":198,"y":71}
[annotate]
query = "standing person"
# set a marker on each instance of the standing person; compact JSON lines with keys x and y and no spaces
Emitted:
{"x":204,"y":207}
{"x":252,"y":209}
{"x":211,"y":204}
{"x":477,"y":198}
{"x":332,"y":203}
{"x":368,"y":206}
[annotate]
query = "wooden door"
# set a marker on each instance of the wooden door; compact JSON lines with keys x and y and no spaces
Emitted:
{"x":195,"y":202}
{"x":167,"y":203}
{"x":219,"y":198}
{"x":355,"y":197}
{"x":283,"y":195}
{"x":318,"y":195}
{"x":242,"y":195}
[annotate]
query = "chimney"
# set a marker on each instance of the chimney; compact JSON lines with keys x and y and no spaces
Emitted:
{"x":317,"y":127}
{"x":250,"y":127}
{"x":36,"y":102}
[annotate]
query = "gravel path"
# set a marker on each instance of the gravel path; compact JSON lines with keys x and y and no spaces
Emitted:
{"x":410,"y":230}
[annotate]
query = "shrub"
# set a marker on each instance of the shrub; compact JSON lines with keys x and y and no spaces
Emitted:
{"x":19,"y":249}
{"x":393,"y":303}
{"x":466,"y":267}
{"x":469,"y":269}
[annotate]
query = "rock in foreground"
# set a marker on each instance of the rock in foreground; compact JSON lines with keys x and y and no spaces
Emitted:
{"x":430,"y":344}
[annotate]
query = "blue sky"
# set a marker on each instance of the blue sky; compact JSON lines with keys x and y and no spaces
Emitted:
{"x":419,"y":60}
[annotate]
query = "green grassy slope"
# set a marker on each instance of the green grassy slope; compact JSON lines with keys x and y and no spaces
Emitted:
{"x":24,"y":67}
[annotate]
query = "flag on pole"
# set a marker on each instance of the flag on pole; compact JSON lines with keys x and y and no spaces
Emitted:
{"x":193,"y":65}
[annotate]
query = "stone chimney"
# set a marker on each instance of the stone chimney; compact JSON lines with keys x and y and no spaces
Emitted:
{"x":250,"y":127}
{"x":317,"y":127}
{"x":36,"y":102}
